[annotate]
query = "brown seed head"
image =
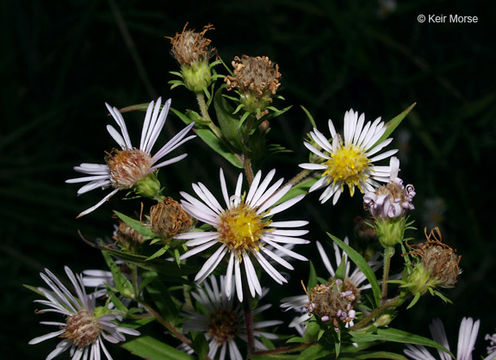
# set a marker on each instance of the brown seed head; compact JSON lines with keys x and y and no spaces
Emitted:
{"x":127,"y":167}
{"x":326,"y":300}
{"x":167,"y":218}
{"x":189,"y":46}
{"x":255,"y":75}
{"x":82,"y":328}
{"x":223,"y":325}
{"x":439,"y":259}
{"x":126,"y":235}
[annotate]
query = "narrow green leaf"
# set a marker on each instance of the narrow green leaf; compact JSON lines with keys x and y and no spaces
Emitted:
{"x":309,"y":116}
{"x":228,"y":124}
{"x":152,"y":349}
{"x":158,"y":253}
{"x":393,"y":123}
{"x":209,"y":138}
{"x":312,"y":276}
{"x":301,"y":188}
{"x":121,"y":282}
{"x":34,"y":289}
{"x":362,"y":265}
{"x":136,"y":225}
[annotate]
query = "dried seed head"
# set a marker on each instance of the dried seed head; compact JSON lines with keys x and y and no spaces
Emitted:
{"x":128,"y":167}
{"x":440,"y":261}
{"x":334,"y":301}
{"x":82,"y":328}
{"x":256,"y":78}
{"x":126,"y":235}
{"x":223,"y":325}
{"x":190,"y":47}
{"x":167,"y":218}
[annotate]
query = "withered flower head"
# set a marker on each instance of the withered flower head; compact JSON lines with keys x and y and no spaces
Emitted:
{"x":126,"y":235}
{"x":440,"y":261}
{"x":190,"y":47}
{"x":390,"y":200}
{"x":256,"y":78}
{"x":334,"y":301}
{"x":167,"y":218}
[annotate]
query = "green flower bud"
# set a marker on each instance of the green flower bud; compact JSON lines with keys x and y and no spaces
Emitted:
{"x":390,"y":231}
{"x":196,"y":76}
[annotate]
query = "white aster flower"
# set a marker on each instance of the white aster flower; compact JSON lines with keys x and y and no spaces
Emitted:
{"x":466,"y":341}
{"x":349,"y":160}
{"x":356,"y":278}
{"x":82,"y":330}
{"x":223,"y":322}
{"x":125,"y":168}
{"x":243,"y":229}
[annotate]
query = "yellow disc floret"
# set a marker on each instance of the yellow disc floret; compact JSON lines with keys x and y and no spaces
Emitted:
{"x":348,"y":165}
{"x":240,"y":228}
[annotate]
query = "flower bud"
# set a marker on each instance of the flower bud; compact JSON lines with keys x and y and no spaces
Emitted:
{"x":167,"y":218}
{"x":148,"y":187}
{"x":256,"y":80}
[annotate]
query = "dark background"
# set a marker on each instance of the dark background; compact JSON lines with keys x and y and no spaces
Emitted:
{"x":62,"y":59}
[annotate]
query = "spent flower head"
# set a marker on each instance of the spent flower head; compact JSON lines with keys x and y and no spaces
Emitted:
{"x":168,"y":218}
{"x":84,"y":326}
{"x":256,"y":79}
{"x":243,"y":229}
{"x":349,"y":160}
{"x":130,"y":167}
{"x":391,"y":200}
{"x":192,"y":51}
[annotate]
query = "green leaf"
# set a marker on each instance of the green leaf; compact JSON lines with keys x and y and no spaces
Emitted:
{"x":121,"y":282}
{"x":276,"y":112}
{"x":311,"y":332}
{"x":399,"y":336}
{"x":228,"y":124}
{"x":313,"y":352}
{"x":209,"y":138}
{"x":375,"y":355}
{"x":136,"y":225}
{"x":158,"y":253}
{"x":312,"y":276}
{"x":362,"y":265}
{"x":309,"y":116}
{"x":301,"y":188}
{"x":200,"y":345}
{"x":393,"y":124}
{"x":33,"y":288}
{"x":150,"y":348}
{"x":341,"y":270}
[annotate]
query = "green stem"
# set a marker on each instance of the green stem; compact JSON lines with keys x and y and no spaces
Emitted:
{"x":388,"y":254}
{"x":283,"y":350}
{"x":204,"y":112}
{"x":392,"y":303}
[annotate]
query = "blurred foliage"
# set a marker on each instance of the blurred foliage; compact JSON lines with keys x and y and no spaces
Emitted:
{"x":61,"y":60}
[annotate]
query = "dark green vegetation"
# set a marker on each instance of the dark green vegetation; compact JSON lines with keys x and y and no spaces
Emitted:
{"x":61,"y":60}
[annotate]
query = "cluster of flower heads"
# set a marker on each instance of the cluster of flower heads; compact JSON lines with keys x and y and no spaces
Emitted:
{"x":243,"y":230}
{"x":390,"y":200}
{"x":128,"y":167}
{"x":222,"y":320}
{"x":349,"y":160}
{"x":85,"y":326}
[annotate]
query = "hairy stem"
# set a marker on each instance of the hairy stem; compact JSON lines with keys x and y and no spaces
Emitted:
{"x":248,"y":169}
{"x":388,"y":254}
{"x":204,"y":112}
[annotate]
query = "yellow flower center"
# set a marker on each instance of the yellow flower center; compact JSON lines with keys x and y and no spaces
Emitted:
{"x":223,"y":325}
{"x":349,"y":166}
{"x":240,"y":228}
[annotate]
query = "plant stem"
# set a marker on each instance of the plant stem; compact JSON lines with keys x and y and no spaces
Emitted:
{"x":395,"y":302}
{"x":388,"y":254}
{"x":282,"y":350}
{"x":248,"y":169}
{"x":166,"y":324}
{"x":204,"y":112}
{"x":248,"y":319}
